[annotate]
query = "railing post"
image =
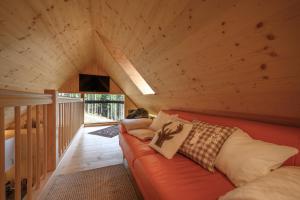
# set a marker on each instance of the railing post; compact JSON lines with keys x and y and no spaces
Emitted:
{"x":37,"y":134}
{"x":29,"y":152}
{"x":45,"y":141}
{"x":2,"y":154}
{"x":51,"y":130}
{"x":18,"y":152}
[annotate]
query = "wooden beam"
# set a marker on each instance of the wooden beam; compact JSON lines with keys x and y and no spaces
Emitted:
{"x":15,"y":98}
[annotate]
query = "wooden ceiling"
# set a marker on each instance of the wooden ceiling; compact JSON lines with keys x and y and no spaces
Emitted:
{"x":42,"y":43}
{"x":231,"y":57}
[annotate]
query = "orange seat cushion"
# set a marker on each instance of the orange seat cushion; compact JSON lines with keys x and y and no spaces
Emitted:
{"x":133,"y":148}
{"x":178,"y":178}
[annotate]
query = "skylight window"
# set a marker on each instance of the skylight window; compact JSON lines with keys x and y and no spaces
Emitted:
{"x":136,"y":77}
{"x":127,"y":66}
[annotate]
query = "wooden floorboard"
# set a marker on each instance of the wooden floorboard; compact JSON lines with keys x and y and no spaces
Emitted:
{"x":88,"y":152}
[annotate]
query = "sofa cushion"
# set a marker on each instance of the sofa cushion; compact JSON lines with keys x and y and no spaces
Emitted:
{"x":131,"y":124}
{"x":160,"y":120}
{"x":283,"y":183}
{"x":277,"y":134}
{"x":133,"y":148}
{"x":204,"y":143}
{"x":168,"y":140}
{"x":244,"y":159}
{"x":178,"y":178}
{"x":142,"y":134}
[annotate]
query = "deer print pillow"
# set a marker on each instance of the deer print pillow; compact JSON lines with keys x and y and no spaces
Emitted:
{"x":169,"y":138}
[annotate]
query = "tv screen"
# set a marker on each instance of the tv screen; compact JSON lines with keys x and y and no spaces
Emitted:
{"x":93,"y":83}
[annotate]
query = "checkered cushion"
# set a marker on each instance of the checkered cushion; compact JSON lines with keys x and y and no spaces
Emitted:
{"x":204,"y":143}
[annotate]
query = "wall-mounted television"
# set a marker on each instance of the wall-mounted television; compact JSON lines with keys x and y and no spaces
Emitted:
{"x":93,"y":83}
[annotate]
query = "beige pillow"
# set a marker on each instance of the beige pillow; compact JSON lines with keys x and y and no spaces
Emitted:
{"x":131,"y":124}
{"x":160,"y":120}
{"x":244,"y":159}
{"x":281,"y":184}
{"x":204,"y":143}
{"x":168,"y":140}
{"x":142,"y":134}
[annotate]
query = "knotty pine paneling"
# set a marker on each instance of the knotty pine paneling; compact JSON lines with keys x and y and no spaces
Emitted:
{"x":232,"y":57}
{"x":237,"y":58}
{"x":72,"y":84}
{"x":42,"y":43}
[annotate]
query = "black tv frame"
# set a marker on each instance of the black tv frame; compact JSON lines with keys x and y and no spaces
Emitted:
{"x":86,"y":85}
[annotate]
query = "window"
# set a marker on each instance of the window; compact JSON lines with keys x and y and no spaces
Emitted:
{"x":103,"y":108}
{"x":69,"y":95}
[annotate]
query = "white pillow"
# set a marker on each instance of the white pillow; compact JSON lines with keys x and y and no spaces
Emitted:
{"x":168,"y":140}
{"x":131,"y":124}
{"x":160,"y":120}
{"x":281,"y":184}
{"x":142,"y":134}
{"x":244,"y":159}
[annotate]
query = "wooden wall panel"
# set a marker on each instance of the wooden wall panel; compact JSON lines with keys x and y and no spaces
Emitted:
{"x":230,"y":57}
{"x":42,"y":43}
{"x":72,"y":84}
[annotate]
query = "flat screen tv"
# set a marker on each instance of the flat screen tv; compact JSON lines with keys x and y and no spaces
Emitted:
{"x":93,"y":83}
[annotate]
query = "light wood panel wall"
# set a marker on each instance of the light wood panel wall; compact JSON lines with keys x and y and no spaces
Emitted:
{"x":42,"y":43}
{"x":231,"y":57}
{"x":237,"y":58}
{"x":72,"y":84}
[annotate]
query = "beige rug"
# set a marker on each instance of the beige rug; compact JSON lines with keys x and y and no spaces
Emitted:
{"x":108,"y":183}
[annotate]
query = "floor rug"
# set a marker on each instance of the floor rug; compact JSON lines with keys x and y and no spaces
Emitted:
{"x":108,"y":183}
{"x":110,"y":132}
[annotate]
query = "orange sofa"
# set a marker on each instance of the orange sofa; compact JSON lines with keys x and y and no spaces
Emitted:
{"x":181,"y":178}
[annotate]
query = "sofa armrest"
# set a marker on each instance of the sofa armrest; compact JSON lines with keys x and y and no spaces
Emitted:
{"x":130,"y":124}
{"x":122,"y":128}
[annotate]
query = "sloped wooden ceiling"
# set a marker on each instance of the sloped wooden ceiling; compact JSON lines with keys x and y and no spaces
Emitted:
{"x":229,"y":56}
{"x":207,"y":56}
{"x":42,"y":43}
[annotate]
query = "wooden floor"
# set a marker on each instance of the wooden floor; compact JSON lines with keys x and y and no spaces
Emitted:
{"x":88,"y":152}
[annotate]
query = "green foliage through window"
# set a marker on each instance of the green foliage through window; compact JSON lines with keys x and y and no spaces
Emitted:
{"x":103,"y":107}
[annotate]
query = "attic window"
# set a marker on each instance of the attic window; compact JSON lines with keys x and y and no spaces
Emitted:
{"x":136,"y":78}
{"x":127,"y":66}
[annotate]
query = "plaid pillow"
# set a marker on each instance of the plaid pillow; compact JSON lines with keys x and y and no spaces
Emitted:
{"x":204,"y":143}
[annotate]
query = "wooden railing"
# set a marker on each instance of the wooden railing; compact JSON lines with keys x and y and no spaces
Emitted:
{"x":70,"y":119}
{"x":54,"y":118}
{"x":16,"y":100}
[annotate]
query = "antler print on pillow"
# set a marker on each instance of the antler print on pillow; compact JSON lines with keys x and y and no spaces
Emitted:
{"x":167,"y":134}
